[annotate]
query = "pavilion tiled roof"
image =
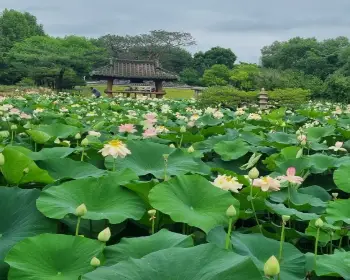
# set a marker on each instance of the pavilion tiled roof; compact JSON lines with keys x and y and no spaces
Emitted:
{"x":134,"y":69}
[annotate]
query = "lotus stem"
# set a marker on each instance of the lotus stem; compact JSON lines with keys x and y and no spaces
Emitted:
{"x":316,"y":244}
{"x":82,"y":155}
{"x":253,"y":208}
{"x":114,"y":164}
{"x":340,"y":242}
{"x":153,"y":224}
{"x":282,"y":241}
{"x":228,"y":235}
{"x":181,"y":139}
{"x":77,"y":228}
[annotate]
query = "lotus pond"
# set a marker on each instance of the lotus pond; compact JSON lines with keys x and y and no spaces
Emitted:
{"x":163,"y":189}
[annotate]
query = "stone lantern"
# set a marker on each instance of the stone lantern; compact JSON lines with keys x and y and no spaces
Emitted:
{"x":263,"y":99}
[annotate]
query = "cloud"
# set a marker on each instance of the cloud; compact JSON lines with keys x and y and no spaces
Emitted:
{"x":243,"y":25}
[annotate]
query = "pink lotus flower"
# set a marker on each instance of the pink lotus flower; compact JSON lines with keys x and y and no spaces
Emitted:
{"x":267,"y":184}
{"x":14,"y":111}
{"x":149,"y":132}
{"x":290,"y":177}
{"x":129,"y":128}
{"x":338,"y":147}
{"x":25,"y":116}
{"x":151,"y":118}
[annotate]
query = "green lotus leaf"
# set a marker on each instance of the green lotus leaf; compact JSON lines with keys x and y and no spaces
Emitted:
{"x":49,"y":153}
{"x":139,"y":247}
{"x":337,"y":264}
{"x":203,"y":262}
{"x":15,"y":162}
{"x":103,"y":197}
{"x":317,"y":133}
{"x":325,"y":232}
{"x":230,"y":150}
{"x":58,"y":130}
{"x":66,"y":168}
{"x":281,"y":209}
{"x":147,"y":158}
{"x":260,"y":249}
{"x":282,"y":138}
{"x":341,"y":178}
{"x":39,"y":137}
{"x":338,"y":210}
{"x":320,"y":163}
{"x":20,"y":219}
{"x":193,"y":200}
{"x":52,"y":256}
{"x":208,"y":144}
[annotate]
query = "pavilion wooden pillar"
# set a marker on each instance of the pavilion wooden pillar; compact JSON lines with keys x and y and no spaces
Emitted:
{"x":159,"y":88}
{"x":109,"y":90}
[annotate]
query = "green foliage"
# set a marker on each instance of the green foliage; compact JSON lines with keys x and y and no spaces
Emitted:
{"x":190,"y":77}
{"x":289,"y":96}
{"x":337,"y":88}
{"x":217,"y":75}
{"x":244,"y":76}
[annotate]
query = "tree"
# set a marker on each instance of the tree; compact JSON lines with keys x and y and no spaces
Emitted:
{"x":243,"y":76}
{"x":217,"y":75}
{"x":307,"y":55}
{"x":337,"y":88}
{"x":49,"y":60}
{"x":190,"y":77}
{"x":216,"y":55}
{"x":14,"y":27}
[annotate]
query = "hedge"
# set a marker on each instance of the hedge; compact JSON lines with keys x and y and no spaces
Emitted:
{"x":232,"y":97}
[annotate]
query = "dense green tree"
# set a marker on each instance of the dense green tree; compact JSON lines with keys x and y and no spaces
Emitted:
{"x":14,"y":27}
{"x":243,"y":76}
{"x":49,"y":60}
{"x":337,"y":88}
{"x":217,"y":75}
{"x":307,"y":55}
{"x":216,"y":55}
{"x":190,"y":77}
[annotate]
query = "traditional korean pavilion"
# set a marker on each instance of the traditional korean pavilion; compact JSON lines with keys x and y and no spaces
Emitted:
{"x":136,"y":71}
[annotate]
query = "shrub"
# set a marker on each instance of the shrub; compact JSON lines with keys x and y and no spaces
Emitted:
{"x":229,"y":96}
{"x":26,"y":82}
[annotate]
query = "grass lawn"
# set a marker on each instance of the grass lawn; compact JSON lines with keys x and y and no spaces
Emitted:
{"x":171,"y":93}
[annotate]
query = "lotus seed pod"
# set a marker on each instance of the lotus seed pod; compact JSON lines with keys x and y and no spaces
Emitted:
{"x":319,"y":223}
{"x":152,"y":212}
{"x":104,"y":235}
{"x":85,"y":142}
{"x":57,"y":141}
{"x":272,"y":267}
{"x":231,"y":212}
{"x":335,"y":195}
{"x":172,"y":146}
{"x":95,"y":262}
{"x":26,"y":170}
{"x":285,"y":218}
{"x":2,"y":159}
{"x":253,"y":173}
{"x":183,"y":129}
{"x":13,"y":127}
{"x":81,"y":210}
{"x":77,"y":136}
{"x":190,"y":150}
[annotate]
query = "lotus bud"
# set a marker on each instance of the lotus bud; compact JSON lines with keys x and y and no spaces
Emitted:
{"x":335,"y":195}
{"x":253,"y":173}
{"x":13,"y":127}
{"x":231,"y":211}
{"x":65,"y":143}
{"x":84,"y":142}
{"x":27,"y":125}
{"x":4,"y":133}
{"x":190,"y":150}
{"x":2,"y":159}
{"x":272,"y":267}
{"x":183,"y":129}
{"x":172,"y":146}
{"x":319,"y":223}
{"x":77,"y":136}
{"x":57,"y":141}
{"x":95,"y":262}
{"x":81,"y":210}
{"x":104,"y":235}
{"x":152,"y":212}
{"x":285,"y":218}
{"x":26,"y":170}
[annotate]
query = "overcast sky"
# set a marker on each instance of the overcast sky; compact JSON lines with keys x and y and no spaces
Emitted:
{"x":245,"y":26}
